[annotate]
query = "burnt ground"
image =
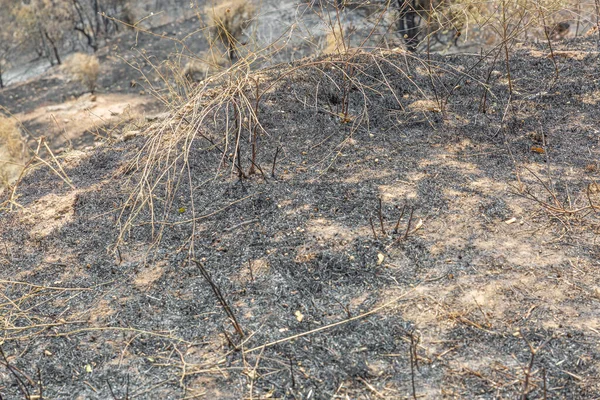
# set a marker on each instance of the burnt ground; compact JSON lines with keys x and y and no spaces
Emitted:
{"x":497,"y":248}
{"x":142,"y":49}
{"x":129,"y":64}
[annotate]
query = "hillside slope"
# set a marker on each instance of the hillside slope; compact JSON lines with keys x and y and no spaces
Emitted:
{"x":396,"y":246}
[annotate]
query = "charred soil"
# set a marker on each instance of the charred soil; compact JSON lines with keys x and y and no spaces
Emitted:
{"x":426,"y":233}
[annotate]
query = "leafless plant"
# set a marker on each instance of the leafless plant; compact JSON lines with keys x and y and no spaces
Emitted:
{"x":529,"y":368}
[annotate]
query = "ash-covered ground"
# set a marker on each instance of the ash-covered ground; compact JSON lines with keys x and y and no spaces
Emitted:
{"x":438,"y":240}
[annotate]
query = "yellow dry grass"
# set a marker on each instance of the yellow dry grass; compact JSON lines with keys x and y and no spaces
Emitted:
{"x":12,"y":151}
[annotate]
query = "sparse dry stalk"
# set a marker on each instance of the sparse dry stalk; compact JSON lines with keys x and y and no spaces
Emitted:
{"x":413,"y":361}
{"x":237,"y":156}
{"x":399,"y":219}
{"x":505,"y":43}
{"x":13,"y":371}
{"x":483,"y":103}
{"x":547,"y":34}
{"x":373,"y":228}
{"x":255,"y":129}
{"x":429,"y":69}
{"x":527,"y":370}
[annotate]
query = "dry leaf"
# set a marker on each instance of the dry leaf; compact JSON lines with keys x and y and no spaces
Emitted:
{"x":538,"y":149}
{"x":299,"y":316}
{"x":345,"y":119}
{"x":418,"y":226}
{"x":591,"y":167}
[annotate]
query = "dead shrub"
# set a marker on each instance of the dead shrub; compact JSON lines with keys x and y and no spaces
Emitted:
{"x":228,"y":21}
{"x":84,"y":68}
{"x":12,"y":151}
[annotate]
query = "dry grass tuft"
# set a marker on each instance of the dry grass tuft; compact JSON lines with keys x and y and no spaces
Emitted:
{"x":12,"y":151}
{"x":84,"y":68}
{"x":228,"y":21}
{"x":334,"y":42}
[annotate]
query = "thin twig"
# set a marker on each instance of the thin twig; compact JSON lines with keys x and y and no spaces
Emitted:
{"x":333,"y":325}
{"x":254,"y":128}
{"x":544,"y":383}
{"x":220,"y":297}
{"x":110,"y":389}
{"x":275,"y":161}
{"x":373,"y":228}
{"x":399,"y":218}
{"x":547,"y":33}
{"x":380,"y":215}
{"x":10,"y":368}
{"x":411,"y":351}
{"x":243,"y":223}
{"x":412,"y":210}
{"x":533,"y":350}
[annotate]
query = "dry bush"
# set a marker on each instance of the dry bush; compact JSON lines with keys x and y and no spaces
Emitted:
{"x":12,"y":151}
{"x":228,"y":21}
{"x":84,"y":68}
{"x":229,"y":118}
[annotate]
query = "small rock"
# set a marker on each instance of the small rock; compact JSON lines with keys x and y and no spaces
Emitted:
{"x":157,"y":117}
{"x":130,"y":135}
